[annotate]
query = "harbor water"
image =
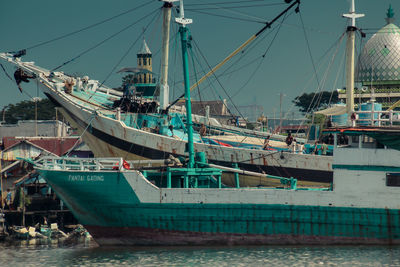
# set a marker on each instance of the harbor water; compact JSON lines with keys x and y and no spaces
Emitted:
{"x":88,"y":254}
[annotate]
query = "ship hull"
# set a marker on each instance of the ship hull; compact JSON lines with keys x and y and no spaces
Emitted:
{"x":309,"y":168}
{"x":124,"y":208}
{"x":141,"y":236}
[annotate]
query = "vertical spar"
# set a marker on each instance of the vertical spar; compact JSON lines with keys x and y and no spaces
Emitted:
{"x":350,"y":59}
{"x":184,"y":42}
{"x":164,"y":88}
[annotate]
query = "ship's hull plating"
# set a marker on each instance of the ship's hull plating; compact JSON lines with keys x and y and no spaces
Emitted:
{"x":123,"y":208}
{"x":103,"y":144}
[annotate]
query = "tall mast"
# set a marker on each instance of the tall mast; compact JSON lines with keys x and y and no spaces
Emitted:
{"x":350,"y":59}
{"x":184,"y":42}
{"x":245,"y":44}
{"x":164,"y":88}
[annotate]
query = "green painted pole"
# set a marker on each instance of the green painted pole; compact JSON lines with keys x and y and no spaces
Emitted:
{"x":186,"y":181}
{"x":235,"y":165}
{"x":168,"y":178}
{"x":184,"y":41}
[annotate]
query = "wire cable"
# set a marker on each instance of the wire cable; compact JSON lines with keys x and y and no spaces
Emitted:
{"x":262,"y":57}
{"x":103,"y":41}
{"x":88,"y":27}
{"x":129,"y":49}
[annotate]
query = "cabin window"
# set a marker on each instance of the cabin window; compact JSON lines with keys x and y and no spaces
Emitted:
{"x":393,"y":179}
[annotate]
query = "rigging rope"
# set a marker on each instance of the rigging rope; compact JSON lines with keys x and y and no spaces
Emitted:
{"x":105,"y":40}
{"x":195,"y":77}
{"x":6,"y":72}
{"x":313,"y":105}
{"x":13,"y":80}
{"x":336,"y":45}
{"x":262,"y":57}
{"x":251,"y":61}
{"x":80,"y":137}
{"x":225,"y":2}
{"x":129,"y":49}
{"x":234,"y":7}
{"x":227,"y":9}
{"x":88,"y":27}
{"x":216,"y":78}
{"x":309,"y":49}
{"x":228,"y":17}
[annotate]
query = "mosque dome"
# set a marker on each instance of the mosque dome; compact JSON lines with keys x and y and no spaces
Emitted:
{"x":380,"y":59}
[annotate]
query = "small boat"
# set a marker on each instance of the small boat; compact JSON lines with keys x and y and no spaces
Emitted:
{"x":185,"y":202}
{"x":20,"y":232}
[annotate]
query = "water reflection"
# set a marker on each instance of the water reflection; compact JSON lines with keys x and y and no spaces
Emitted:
{"x":91,"y":255}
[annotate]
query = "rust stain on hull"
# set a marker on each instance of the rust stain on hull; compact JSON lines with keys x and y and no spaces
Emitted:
{"x":147,"y":236}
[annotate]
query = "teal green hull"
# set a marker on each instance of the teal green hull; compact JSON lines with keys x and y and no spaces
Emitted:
{"x":113,"y":214}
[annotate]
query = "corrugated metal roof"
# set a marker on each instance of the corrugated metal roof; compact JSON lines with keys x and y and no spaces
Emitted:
{"x":32,"y":147}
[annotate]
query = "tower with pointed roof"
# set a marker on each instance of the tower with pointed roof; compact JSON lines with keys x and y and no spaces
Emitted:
{"x":144,"y":81}
{"x":144,"y":61}
{"x":378,"y":68}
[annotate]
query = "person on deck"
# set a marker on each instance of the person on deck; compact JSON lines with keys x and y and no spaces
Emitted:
{"x":289,"y":139}
{"x":324,"y":149}
{"x":171,"y":128}
{"x":293,"y":146}
{"x":266,"y":143}
{"x":8,"y":199}
{"x":300,"y":148}
{"x":353,"y":119}
{"x":203,"y":130}
{"x":21,"y":76}
{"x":315,"y":152}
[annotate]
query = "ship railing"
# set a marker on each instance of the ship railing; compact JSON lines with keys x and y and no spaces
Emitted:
{"x":378,"y":118}
{"x":113,"y":164}
{"x":93,"y":164}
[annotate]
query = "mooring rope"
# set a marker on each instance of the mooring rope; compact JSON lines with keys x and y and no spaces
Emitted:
{"x":80,"y":137}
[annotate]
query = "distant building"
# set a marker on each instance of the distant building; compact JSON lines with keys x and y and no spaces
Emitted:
{"x":143,"y":80}
{"x":217,"y":107}
{"x":16,"y":148}
{"x":378,"y":68}
{"x":47,"y":128}
{"x":32,"y":147}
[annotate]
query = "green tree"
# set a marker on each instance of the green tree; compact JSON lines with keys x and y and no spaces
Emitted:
{"x":128,"y":79}
{"x":315,"y":101}
{"x":25,"y":110}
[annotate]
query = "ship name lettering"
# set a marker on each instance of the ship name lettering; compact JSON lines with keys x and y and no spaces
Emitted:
{"x":82,"y":178}
{"x":95,"y":178}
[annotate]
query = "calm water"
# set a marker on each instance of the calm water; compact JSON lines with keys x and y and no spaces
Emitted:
{"x":90,"y":255}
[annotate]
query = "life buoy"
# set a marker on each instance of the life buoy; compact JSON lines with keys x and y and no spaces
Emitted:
{"x":125,"y":165}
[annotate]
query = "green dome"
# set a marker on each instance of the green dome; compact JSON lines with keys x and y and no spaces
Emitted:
{"x":380,"y":58}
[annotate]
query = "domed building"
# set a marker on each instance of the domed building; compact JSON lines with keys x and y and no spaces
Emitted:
{"x":378,"y":67}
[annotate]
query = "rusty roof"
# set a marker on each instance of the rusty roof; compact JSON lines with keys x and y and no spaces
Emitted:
{"x":56,"y":145}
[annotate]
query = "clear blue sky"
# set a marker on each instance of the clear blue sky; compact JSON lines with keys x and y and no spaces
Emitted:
{"x":286,"y":68}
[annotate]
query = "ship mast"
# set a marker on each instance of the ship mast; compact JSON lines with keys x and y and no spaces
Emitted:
{"x":184,"y":42}
{"x":351,"y":29}
{"x":164,"y":88}
{"x":240,"y":48}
